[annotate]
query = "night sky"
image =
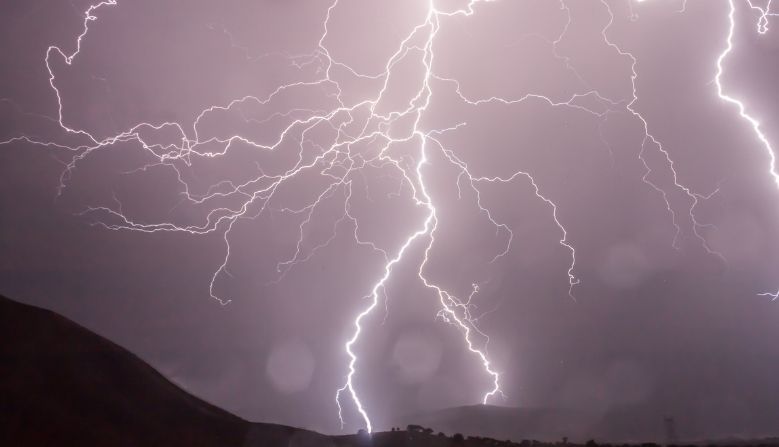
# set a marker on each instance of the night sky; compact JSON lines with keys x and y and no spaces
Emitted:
{"x":292,"y":151}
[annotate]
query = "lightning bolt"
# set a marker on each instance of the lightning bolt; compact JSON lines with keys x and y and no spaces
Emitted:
{"x":449,"y":303}
{"x":362,"y":135}
{"x":650,"y":141}
{"x":762,"y":28}
{"x":761,"y":24}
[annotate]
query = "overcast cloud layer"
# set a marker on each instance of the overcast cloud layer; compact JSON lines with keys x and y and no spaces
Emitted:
{"x":671,"y":331}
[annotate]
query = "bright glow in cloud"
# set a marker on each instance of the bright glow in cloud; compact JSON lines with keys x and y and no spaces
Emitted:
{"x":363,"y":121}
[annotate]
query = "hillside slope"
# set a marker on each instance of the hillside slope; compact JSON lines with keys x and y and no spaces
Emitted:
{"x":63,"y":385}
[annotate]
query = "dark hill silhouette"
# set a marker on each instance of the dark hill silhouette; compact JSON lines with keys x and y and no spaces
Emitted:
{"x":635,"y":424}
{"x":62,"y":385}
{"x":502,"y":422}
{"x":623,"y":424}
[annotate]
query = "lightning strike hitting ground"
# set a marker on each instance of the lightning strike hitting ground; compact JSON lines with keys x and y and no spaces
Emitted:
{"x":362,"y":122}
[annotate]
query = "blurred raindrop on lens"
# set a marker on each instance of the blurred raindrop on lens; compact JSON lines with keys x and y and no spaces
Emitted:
{"x":290,"y":367}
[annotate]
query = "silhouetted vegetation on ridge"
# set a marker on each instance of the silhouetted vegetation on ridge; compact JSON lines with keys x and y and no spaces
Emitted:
{"x":417,"y":436}
{"x":62,"y":385}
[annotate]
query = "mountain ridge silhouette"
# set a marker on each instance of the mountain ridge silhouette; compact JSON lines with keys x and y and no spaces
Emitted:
{"x":62,"y":384}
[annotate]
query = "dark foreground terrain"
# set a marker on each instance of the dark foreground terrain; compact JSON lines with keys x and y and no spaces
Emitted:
{"x":62,"y":385}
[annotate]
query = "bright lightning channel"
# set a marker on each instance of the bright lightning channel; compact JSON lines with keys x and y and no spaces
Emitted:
{"x":762,"y":28}
{"x":338,"y":163}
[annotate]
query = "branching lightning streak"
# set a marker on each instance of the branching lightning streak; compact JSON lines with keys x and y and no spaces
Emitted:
{"x":422,"y":197}
{"x":649,"y":139}
{"x":762,"y":21}
{"x":762,"y":28}
{"x":340,"y":163}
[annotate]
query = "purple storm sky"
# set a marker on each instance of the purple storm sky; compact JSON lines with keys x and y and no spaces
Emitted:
{"x":443,"y":166}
